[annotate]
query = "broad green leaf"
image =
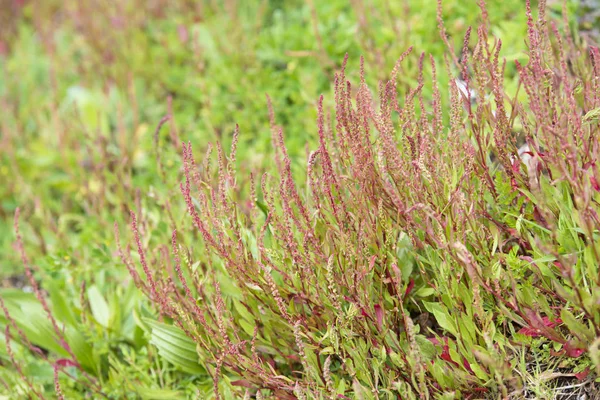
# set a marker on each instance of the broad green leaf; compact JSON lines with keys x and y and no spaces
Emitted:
{"x":247,"y":327}
{"x":243,"y":311}
{"x":174,"y":346}
{"x":115,"y":311}
{"x":60,"y":308}
{"x":427,"y":348}
{"x":99,"y":306}
{"x":139,"y":321}
{"x":425,"y":292}
{"x":158,"y":394}
{"x":82,"y":350}
{"x":479,"y":372}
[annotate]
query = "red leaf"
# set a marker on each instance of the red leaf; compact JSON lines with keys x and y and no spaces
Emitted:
{"x":551,"y":324}
{"x":65,"y":362}
{"x":434,"y":341}
{"x":364,"y":313}
{"x":558,"y":265}
{"x":446,"y":354}
{"x":467,"y":365}
{"x":541,"y":327}
{"x":573,"y":351}
{"x":583,"y":374}
{"x":534,"y":332}
{"x":409,"y":288}
{"x":531,"y":332}
{"x":378,"y":315}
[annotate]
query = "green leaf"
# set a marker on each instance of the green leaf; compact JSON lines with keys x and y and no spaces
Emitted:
{"x":263,"y":207}
{"x":60,"y":308}
{"x":116,"y":309}
{"x":441,"y":316}
{"x":243,"y":311}
{"x":175,"y":347}
{"x":99,"y":306}
{"x":468,"y":330}
{"x":591,"y":116}
{"x":33,"y":321}
{"x":228,"y":287}
{"x":479,"y":372}
{"x":82,"y":350}
{"x":247,"y":327}
{"x":425,"y":292}
{"x":158,"y":394}
{"x":575,"y":326}
{"x":139,"y":321}
{"x":427,"y":348}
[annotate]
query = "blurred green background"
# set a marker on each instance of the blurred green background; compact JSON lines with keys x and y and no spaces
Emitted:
{"x":84,"y":84}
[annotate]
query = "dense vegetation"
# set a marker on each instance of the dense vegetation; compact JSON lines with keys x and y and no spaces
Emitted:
{"x":411,"y":211}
